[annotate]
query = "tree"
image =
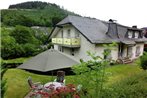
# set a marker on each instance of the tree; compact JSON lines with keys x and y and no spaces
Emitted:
{"x":24,"y":35}
{"x":143,"y":61}
{"x":7,"y":44}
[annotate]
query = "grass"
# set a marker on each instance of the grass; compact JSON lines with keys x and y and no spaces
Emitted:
{"x":134,"y":86}
{"x":17,"y":86}
{"x":119,"y":72}
{"x":17,"y":60}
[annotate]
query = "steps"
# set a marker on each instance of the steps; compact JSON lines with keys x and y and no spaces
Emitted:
{"x":126,"y":61}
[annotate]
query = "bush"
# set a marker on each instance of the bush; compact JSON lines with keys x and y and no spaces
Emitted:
{"x":91,"y":75}
{"x":131,"y":87}
{"x":3,"y":81}
{"x":143,"y":61}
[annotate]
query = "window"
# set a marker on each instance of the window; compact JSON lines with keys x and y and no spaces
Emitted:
{"x":130,"y":34}
{"x":68,"y":33}
{"x":60,"y":48}
{"x":136,"y":34}
{"x":72,"y":51}
{"x":107,"y":54}
{"x":137,"y":50}
{"x":140,"y":35}
{"x":77,"y":35}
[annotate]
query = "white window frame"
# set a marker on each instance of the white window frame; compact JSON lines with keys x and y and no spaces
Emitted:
{"x":130,"y":34}
{"x":136,"y":34}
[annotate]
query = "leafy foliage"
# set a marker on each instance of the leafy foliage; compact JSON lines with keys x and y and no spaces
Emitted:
{"x":7,"y":44}
{"x":3,"y":81}
{"x":21,"y":41}
{"x":24,"y":35}
{"x":143,"y":61}
{"x":91,"y":75}
{"x":131,"y":87}
{"x":33,"y":13}
{"x":29,"y":5}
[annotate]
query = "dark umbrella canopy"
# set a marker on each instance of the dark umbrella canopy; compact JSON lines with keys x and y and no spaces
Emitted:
{"x":48,"y":61}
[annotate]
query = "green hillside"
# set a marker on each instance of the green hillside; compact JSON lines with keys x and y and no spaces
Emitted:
{"x":20,"y":38}
{"x":32,"y":13}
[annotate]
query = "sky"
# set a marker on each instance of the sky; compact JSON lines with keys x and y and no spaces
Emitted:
{"x":126,"y":12}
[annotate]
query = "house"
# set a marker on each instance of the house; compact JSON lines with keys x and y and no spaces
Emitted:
{"x":76,"y":35}
{"x":145,"y":35}
{"x":145,"y":31}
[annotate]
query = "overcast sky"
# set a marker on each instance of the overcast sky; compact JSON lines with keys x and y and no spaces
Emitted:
{"x":126,"y":12}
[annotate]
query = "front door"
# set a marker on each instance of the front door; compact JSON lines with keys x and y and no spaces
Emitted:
{"x":125,"y":51}
{"x":120,"y":53}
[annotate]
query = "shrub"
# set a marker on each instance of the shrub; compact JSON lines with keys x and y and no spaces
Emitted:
{"x":131,"y":87}
{"x":91,"y":75}
{"x":3,"y":81}
{"x":143,"y":61}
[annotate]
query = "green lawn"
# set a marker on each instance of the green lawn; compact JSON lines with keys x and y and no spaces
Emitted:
{"x":17,"y":60}
{"x":17,"y":85}
{"x":119,"y":72}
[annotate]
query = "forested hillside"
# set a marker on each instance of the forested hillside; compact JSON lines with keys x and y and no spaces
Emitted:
{"x":22,"y":34}
{"x":33,"y":13}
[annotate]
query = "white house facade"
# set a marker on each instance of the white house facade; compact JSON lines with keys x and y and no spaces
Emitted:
{"x":76,"y":35}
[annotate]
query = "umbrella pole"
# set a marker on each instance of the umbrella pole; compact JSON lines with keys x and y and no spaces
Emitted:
{"x":52,"y":75}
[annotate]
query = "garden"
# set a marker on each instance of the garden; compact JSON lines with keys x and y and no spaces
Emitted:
{"x":127,"y":81}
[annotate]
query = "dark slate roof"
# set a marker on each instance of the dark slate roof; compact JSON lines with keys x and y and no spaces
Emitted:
{"x":49,"y":60}
{"x":93,"y":29}
{"x":97,"y":31}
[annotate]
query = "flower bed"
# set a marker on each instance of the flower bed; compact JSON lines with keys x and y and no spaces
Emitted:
{"x":68,"y":91}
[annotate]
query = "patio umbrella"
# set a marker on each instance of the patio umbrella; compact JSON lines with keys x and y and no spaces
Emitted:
{"x":48,"y":61}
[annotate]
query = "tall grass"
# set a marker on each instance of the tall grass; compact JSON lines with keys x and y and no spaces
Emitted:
{"x":131,"y":87}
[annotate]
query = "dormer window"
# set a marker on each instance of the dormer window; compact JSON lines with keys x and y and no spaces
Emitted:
{"x":130,"y":34}
{"x":140,"y":35}
{"x":136,"y":34}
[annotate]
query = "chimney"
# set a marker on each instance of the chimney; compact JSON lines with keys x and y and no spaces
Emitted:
{"x":112,"y":20}
{"x":112,"y":29}
{"x":134,"y":26}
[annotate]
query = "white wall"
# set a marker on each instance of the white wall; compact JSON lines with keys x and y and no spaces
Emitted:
{"x":56,"y":47}
{"x":65,"y":32}
{"x":99,"y":49}
{"x":134,"y":50}
{"x":81,"y":52}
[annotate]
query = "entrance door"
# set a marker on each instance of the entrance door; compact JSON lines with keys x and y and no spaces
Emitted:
{"x":120,"y":52}
{"x":125,"y":51}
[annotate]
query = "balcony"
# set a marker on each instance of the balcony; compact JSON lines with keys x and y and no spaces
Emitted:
{"x":67,"y":42}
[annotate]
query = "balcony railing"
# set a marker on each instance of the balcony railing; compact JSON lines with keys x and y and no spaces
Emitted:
{"x":69,"y":42}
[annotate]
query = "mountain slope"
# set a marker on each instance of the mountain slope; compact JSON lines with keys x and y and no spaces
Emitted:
{"x":33,"y":13}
